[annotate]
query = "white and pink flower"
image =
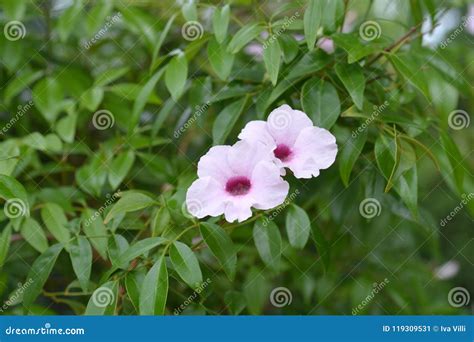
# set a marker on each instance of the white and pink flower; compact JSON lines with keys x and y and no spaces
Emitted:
{"x":296,"y":144}
{"x":234,"y":179}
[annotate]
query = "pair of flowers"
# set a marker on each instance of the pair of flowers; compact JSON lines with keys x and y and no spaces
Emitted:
{"x":234,"y":179}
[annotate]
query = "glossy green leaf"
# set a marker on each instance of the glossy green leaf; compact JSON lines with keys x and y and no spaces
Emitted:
{"x":5,"y":240}
{"x":186,"y":264}
{"x":312,"y":21}
{"x":39,"y":273}
{"x":154,"y":291}
{"x":221,"y":246}
{"x":80,"y":252}
{"x":131,"y":201}
{"x":272,"y":57}
{"x":353,"y":79}
{"x":267,"y":239}
{"x":120,"y":167}
{"x":139,"y":248}
{"x":298,"y":226}
{"x":221,"y":61}
{"x":176,"y":74}
{"x":351,"y":151}
{"x":220,"y":22}
{"x":321,"y":102}
{"x":95,"y":230}
{"x":244,"y":36}
{"x":47,"y":96}
{"x":55,"y":220}
{"x":34,"y":234}
{"x":226,"y":120}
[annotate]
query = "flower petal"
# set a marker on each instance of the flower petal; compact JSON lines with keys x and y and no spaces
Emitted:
{"x":214,"y":164}
{"x":257,"y":131}
{"x":205,"y":198}
{"x":238,"y":208}
{"x":285,"y":124}
{"x":244,"y":156}
{"x":315,"y":149}
{"x":268,"y":188}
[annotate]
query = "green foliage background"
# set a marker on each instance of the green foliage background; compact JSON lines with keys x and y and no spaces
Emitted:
{"x":101,"y":202}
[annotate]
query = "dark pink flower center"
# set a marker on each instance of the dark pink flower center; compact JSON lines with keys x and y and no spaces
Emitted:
{"x":237,"y":186}
{"x":282,"y":152}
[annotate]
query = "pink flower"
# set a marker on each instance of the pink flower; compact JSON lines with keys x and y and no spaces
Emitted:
{"x":233,"y":179}
{"x":295,"y":142}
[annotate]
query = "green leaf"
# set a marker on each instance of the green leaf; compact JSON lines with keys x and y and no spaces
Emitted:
{"x":15,"y":194}
{"x":244,"y":36}
{"x":226,"y":120}
{"x":132,"y":286}
{"x":97,"y":16}
{"x":67,"y":21}
{"x":131,"y":201}
{"x":298,"y":226}
{"x":221,"y":246}
{"x":5,"y":241}
{"x":140,"y":248}
{"x":161,"y":39}
{"x":95,"y":231}
{"x":255,"y":291}
{"x":350,"y":153}
{"x":143,"y":97}
{"x":186,"y":264}
{"x":176,"y":74}
{"x":120,"y":167}
{"x":47,"y":96}
{"x":355,"y":48}
{"x":92,"y":98}
{"x":39,"y":273}
{"x":220,"y":22}
{"x":154,"y":289}
{"x":103,"y":300}
{"x":110,"y":75}
{"x":321,"y":102}
{"x":272,"y":57}
{"x":19,"y":83}
{"x":66,"y":128}
{"x":312,"y":21}
{"x":268,"y":242}
{"x":80,"y":252}
{"x":353,"y":78}
{"x":34,"y":234}
{"x":221,"y":61}
{"x":55,"y":220}
{"x":321,"y":244}
{"x":289,"y":47}
{"x":411,"y":68}
{"x":455,"y":160}
{"x":189,"y":10}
